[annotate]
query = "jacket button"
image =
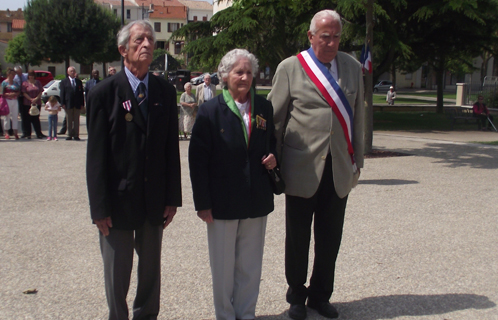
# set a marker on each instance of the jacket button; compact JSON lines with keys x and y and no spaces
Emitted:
{"x":145,"y":179}
{"x":331,"y":132}
{"x":324,"y":157}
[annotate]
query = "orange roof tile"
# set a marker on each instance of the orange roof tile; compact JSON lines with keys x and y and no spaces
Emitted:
{"x":169,"y":12}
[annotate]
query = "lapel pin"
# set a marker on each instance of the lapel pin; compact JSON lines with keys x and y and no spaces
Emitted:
{"x":222,"y":131}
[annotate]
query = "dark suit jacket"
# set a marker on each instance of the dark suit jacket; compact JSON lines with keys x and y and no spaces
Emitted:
{"x":227,"y":176}
{"x":89,"y":85}
{"x":133,"y":168}
{"x":72,"y":98}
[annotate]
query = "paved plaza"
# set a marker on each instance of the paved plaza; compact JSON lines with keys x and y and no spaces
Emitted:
{"x":420,"y":237}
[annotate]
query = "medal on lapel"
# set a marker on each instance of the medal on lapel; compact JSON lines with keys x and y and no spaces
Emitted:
{"x":260,"y":122}
{"x":128,"y":117}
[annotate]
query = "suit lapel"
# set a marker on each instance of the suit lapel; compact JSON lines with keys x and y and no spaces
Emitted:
{"x":341,"y":71}
{"x":155,"y":101}
{"x":127,"y":94}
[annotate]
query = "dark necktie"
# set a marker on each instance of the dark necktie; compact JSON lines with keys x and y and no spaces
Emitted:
{"x":141,"y":96}
{"x":328,"y":65}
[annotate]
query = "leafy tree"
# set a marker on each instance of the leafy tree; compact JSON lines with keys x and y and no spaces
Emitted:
{"x":64,"y":29}
{"x":16,"y":52}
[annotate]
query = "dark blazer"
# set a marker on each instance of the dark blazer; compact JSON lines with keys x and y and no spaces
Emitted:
{"x":227,"y":176}
{"x":133,"y":167}
{"x":72,"y":98}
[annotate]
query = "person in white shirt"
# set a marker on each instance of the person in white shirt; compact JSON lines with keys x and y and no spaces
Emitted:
{"x":205,"y":91}
{"x":391,"y":96}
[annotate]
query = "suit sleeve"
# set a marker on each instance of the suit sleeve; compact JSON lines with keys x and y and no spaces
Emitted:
{"x":96,"y":159}
{"x":63,"y":92}
{"x":359,"y":121}
{"x":199,"y":157}
{"x":279,"y":97}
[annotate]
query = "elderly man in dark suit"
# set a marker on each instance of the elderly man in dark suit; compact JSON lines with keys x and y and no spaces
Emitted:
{"x":72,"y":100}
{"x":133,"y":172}
{"x":318,"y":104}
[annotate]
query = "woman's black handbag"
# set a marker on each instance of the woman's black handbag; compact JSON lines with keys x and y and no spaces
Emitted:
{"x":277,"y":183}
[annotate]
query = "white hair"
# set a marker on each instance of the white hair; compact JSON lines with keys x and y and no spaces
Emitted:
{"x":323,"y":14}
{"x":230,"y":59}
{"x":186,"y":85}
{"x":124,"y":33}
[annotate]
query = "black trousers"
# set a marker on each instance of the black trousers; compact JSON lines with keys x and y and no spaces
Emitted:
{"x":28,"y":120}
{"x":328,"y":211}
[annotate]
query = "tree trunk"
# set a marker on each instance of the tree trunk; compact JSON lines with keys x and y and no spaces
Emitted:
{"x":368,"y":133}
{"x":440,"y":85}
{"x":67,"y":65}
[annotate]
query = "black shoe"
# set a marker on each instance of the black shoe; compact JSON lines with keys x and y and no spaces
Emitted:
{"x":297,"y":312}
{"x":69,"y":138}
{"x":41,"y":136}
{"x":324,"y":308}
{"x":77,"y":138}
{"x":24,"y":136}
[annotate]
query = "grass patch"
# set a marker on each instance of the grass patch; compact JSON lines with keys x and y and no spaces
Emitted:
{"x":422,"y":121}
{"x":491,"y":143}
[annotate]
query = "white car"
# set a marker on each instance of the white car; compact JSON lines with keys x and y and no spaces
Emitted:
{"x":51,"y":89}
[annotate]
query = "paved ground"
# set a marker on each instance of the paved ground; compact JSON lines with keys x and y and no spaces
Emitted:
{"x":420,"y":237}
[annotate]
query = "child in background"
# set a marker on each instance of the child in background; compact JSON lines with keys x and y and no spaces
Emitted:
{"x":53,"y":107}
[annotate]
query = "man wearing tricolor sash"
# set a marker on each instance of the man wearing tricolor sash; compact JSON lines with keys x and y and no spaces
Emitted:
{"x":319,"y":113}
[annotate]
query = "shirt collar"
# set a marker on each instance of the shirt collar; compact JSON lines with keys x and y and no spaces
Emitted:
{"x":134,"y":81}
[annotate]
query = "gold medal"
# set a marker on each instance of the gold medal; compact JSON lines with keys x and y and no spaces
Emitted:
{"x":128,"y":117}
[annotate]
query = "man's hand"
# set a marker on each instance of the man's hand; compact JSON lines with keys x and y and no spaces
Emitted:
{"x":104,"y":225}
{"x":205,"y":215}
{"x":168,"y":215}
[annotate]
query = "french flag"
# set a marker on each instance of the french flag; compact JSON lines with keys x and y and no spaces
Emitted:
{"x":366,"y":59}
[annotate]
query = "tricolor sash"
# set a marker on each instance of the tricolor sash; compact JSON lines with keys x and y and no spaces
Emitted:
{"x":330,"y":89}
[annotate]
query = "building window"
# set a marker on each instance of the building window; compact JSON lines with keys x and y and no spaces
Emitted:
{"x":128,"y":14}
{"x":116,"y":12}
{"x":157,"y":26}
{"x":52,"y":70}
{"x":178,"y":47}
{"x":205,"y":18}
{"x":9,"y":27}
{"x":173,"y":27}
{"x":159,"y":44}
{"x":195,"y":18}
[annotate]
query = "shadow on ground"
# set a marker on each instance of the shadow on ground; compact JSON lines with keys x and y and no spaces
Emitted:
{"x":457,"y":155}
{"x":390,"y":307}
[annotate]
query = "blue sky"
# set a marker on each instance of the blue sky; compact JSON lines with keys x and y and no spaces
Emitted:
{"x":16,"y":4}
{"x":12,"y":5}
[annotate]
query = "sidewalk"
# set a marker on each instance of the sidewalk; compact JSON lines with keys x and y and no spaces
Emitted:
{"x":420,"y":237}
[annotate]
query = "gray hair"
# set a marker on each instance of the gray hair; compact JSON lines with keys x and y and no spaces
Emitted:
{"x":230,"y":59}
{"x":124,"y":33}
{"x":17,"y":68}
{"x":186,"y":85}
{"x":324,"y":14}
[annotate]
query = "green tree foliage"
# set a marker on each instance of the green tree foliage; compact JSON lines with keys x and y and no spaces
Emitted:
{"x":16,"y":52}
{"x":63,"y":29}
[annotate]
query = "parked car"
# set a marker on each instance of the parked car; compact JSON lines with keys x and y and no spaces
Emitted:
{"x":197,"y":80}
{"x":383,"y":86}
{"x":51,"y":89}
{"x":43,"y":76}
{"x":195,"y":74}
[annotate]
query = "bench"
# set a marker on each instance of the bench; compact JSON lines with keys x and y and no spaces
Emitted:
{"x":464,"y":114}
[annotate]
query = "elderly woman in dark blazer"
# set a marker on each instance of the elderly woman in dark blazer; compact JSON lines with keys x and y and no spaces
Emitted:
{"x":231,"y":148}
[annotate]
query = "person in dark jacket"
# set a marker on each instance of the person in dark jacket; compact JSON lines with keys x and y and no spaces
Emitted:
{"x":229,"y":156}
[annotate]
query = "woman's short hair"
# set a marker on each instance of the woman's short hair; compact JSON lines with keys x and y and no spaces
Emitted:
{"x":31,"y":73}
{"x":322,"y":14}
{"x":186,"y":85}
{"x":228,"y":61}
{"x":9,"y":70}
{"x":124,"y":33}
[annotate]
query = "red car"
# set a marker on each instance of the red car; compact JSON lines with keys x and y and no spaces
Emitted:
{"x":43,"y":76}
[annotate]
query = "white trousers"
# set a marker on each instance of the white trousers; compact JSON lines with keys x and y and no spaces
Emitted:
{"x":236,"y":257}
{"x":14,"y":114}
